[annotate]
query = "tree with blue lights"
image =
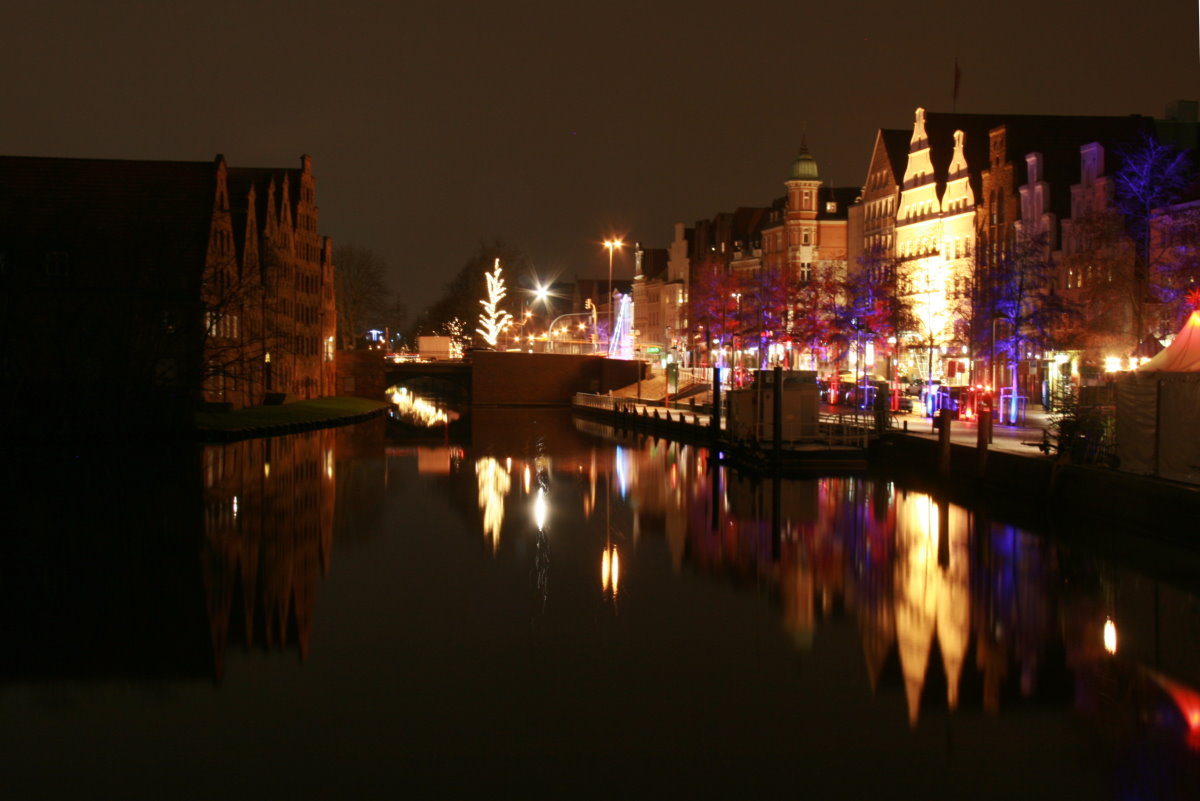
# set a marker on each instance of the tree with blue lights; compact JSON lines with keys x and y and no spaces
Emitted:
{"x":1018,"y":289}
{"x":1152,"y":176}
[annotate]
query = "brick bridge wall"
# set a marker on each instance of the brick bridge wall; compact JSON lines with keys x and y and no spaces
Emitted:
{"x":502,"y":378}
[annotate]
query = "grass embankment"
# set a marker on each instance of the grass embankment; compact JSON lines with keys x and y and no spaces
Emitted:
{"x":285,"y":418}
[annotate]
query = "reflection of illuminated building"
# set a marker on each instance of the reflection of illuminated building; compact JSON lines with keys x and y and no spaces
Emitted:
{"x":268,"y":536}
{"x":932,"y":593}
{"x":939,"y":593}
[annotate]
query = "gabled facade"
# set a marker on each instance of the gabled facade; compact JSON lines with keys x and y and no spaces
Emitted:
{"x":875,"y":246}
{"x":295,"y":268}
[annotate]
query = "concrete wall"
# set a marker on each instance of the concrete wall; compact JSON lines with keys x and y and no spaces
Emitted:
{"x":515,"y":379}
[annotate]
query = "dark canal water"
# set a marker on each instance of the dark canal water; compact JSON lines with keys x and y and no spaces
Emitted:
{"x":550,"y":611}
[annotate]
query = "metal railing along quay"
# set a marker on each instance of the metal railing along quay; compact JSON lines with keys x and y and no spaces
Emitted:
{"x":839,"y":430}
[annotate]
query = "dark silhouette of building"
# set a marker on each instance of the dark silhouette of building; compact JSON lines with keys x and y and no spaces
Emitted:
{"x":133,"y":291}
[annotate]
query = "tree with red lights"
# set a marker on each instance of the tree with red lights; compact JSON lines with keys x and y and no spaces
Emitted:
{"x":714,"y":301}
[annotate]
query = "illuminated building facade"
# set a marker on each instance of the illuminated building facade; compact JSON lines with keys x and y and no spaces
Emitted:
{"x":806,"y":231}
{"x":974,"y":238}
{"x":656,"y":303}
{"x":874,"y":247}
{"x":935,"y":240}
{"x":675,"y":307}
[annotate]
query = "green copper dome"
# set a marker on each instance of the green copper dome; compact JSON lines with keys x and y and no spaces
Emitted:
{"x":804,"y":168}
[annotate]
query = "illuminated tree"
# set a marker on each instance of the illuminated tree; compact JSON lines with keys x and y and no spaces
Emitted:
{"x":493,"y":319}
{"x":1019,"y":289}
{"x":456,"y":329}
{"x":874,"y":303}
{"x":714,"y":308}
{"x":1152,"y":176}
{"x":766,"y":304}
{"x":1174,"y":265}
{"x":818,"y":314}
{"x":462,"y":292}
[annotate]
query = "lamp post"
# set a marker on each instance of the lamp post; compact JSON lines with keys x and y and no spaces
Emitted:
{"x":611,"y":244}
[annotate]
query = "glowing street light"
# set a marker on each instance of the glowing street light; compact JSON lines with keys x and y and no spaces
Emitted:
{"x":611,"y":244}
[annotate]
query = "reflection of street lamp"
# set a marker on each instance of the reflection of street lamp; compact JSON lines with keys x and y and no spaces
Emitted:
{"x":611,"y":244}
{"x":737,"y":323}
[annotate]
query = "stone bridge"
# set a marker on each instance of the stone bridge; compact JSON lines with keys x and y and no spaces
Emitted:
{"x":497,"y":378}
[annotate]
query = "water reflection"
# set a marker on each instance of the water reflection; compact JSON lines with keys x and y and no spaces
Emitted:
{"x":934,"y":616}
{"x":416,"y":410}
{"x":268,"y":535}
{"x":494,"y":485}
{"x":948,"y":604}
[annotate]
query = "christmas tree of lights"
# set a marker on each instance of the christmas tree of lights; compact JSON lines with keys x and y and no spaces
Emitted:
{"x":493,"y":320}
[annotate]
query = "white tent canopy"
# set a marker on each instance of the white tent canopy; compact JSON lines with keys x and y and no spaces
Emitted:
{"x":1183,"y":355}
{"x":1158,"y":411}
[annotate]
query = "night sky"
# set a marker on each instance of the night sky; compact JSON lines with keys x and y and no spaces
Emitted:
{"x":555,"y":124}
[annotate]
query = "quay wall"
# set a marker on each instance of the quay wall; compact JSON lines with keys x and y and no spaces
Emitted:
{"x":1027,"y":490}
{"x":1040,"y":488}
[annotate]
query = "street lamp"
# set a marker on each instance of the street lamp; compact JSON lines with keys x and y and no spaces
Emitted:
{"x":611,"y":244}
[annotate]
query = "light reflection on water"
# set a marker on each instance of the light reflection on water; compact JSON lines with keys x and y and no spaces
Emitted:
{"x":926,"y":613}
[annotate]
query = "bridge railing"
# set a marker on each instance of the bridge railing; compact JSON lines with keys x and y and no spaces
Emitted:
{"x":590,"y":401}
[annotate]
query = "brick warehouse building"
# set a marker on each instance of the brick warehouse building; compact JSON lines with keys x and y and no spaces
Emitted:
{"x":134,"y":291}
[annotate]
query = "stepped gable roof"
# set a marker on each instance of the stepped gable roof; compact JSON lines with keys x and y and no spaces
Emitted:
{"x":1057,"y":137}
{"x":152,"y":213}
{"x":242,"y":178}
{"x":940,"y":128}
{"x":239,"y":193}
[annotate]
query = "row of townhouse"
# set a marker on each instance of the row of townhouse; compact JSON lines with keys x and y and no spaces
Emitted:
{"x":946,"y":215}
{"x":134,"y":291}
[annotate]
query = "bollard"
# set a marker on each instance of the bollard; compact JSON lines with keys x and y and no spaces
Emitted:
{"x":943,"y":427}
{"x":982,"y":438}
